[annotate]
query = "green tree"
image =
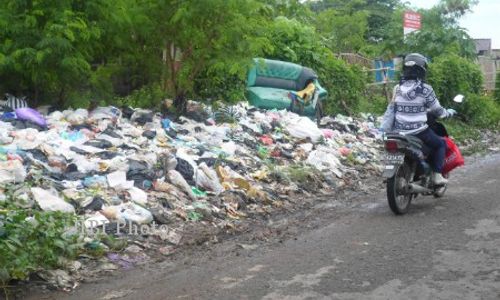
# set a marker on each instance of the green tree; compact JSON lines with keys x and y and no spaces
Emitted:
{"x":198,"y":36}
{"x":46,"y":47}
{"x":342,"y":32}
{"x":378,"y":13}
{"x":441,"y":32}
{"x":451,"y":74}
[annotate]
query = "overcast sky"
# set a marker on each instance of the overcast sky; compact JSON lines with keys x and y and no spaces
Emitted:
{"x":483,"y":22}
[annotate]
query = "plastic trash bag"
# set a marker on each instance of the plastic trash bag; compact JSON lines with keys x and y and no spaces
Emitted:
{"x":138,"y":196}
{"x":12,"y":171}
{"x":95,"y":182}
{"x":49,"y":200}
{"x":207,"y":179}
{"x":128,"y":212}
{"x":4,"y":137}
{"x":324,"y":161}
{"x":99,"y":143}
{"x":140,"y":173}
{"x":150,"y":134}
{"x":166,"y":123}
{"x":229,"y":148}
{"x":176,"y":179}
{"x":32,"y":115}
{"x":78,"y":117}
{"x":303,"y":127}
{"x":27,"y":139}
{"x":142,"y":116}
{"x":110,"y":112}
{"x":453,"y":158}
{"x":118,"y":180}
{"x":95,"y":220}
{"x":185,"y":168}
{"x":72,"y":135}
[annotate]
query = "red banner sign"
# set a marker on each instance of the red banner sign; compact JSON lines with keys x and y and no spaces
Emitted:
{"x":412,"y":20}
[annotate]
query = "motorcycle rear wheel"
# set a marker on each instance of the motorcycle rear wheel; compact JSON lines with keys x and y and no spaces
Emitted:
{"x":399,"y":202}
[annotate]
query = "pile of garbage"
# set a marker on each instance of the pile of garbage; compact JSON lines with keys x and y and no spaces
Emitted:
{"x":115,"y":165}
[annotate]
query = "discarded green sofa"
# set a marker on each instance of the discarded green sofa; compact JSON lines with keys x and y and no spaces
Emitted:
{"x":270,"y":81}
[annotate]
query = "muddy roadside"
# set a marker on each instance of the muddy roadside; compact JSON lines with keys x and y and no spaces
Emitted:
{"x":201,"y":242}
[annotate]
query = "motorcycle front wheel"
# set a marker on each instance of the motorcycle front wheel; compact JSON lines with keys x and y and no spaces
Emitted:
{"x":399,"y":201}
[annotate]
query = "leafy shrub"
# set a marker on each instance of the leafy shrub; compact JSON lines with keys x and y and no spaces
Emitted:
{"x":345,"y":85}
{"x":496,"y":95}
{"x":451,"y":74}
{"x":481,"y":111}
{"x":30,"y":242}
{"x":375,"y":103}
{"x":220,"y":86}
{"x":149,"y":97}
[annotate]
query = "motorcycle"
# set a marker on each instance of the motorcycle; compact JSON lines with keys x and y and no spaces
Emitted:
{"x":407,"y":172}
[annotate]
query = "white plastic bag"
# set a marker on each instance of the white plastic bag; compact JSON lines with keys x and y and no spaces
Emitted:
{"x":29,"y":138}
{"x":12,"y":171}
{"x":324,"y":161}
{"x":135,"y":213}
{"x":229,"y":148}
{"x":4,"y":137}
{"x":109,"y":112}
{"x":49,"y":200}
{"x":78,"y":117}
{"x":95,"y":220}
{"x":176,"y":179}
{"x":208,"y":179}
{"x":303,"y":127}
{"x":128,"y":212}
{"x":118,"y":180}
{"x":138,"y":196}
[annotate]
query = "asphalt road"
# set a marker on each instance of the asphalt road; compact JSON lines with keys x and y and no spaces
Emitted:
{"x":445,"y":248}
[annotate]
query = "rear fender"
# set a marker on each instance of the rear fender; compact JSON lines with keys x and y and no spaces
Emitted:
{"x":390,"y":170}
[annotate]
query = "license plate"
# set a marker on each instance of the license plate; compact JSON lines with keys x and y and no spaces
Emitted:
{"x":394,"y":158}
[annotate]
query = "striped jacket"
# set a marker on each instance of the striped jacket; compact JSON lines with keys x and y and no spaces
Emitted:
{"x":14,"y":103}
{"x":408,"y":112}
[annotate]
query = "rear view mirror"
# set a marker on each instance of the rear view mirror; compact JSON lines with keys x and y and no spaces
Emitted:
{"x":458,"y":98}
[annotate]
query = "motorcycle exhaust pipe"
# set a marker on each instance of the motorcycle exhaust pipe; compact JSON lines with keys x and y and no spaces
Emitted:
{"x":417,"y":189}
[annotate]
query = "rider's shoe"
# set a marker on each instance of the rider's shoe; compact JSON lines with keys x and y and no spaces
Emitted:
{"x":438,"y":179}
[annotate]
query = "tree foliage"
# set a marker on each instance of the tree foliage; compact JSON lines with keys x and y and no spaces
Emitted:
{"x":208,"y":36}
{"x":441,"y":32}
{"x":46,"y":46}
{"x":451,"y":75}
{"x":75,"y":51}
{"x":342,"y":32}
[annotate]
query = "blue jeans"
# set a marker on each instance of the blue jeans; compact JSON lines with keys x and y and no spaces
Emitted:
{"x":437,"y":146}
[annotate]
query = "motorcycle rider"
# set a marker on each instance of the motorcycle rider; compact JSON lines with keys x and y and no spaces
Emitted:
{"x":407,"y":113}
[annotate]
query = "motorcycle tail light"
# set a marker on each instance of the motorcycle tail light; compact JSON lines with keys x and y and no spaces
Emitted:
{"x":391,"y":146}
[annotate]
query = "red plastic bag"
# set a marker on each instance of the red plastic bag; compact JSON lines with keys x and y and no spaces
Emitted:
{"x":453,"y":157}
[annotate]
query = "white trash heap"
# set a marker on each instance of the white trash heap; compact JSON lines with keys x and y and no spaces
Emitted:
{"x":108,"y":167}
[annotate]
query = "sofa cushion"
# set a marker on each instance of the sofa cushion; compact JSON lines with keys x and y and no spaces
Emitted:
{"x":278,"y":69}
{"x":266,"y":97}
{"x":274,"y":82}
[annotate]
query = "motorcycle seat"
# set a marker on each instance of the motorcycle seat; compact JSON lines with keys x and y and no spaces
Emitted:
{"x":412,"y":140}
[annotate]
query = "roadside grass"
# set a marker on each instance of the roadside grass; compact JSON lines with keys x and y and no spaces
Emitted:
{"x":470,"y":138}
